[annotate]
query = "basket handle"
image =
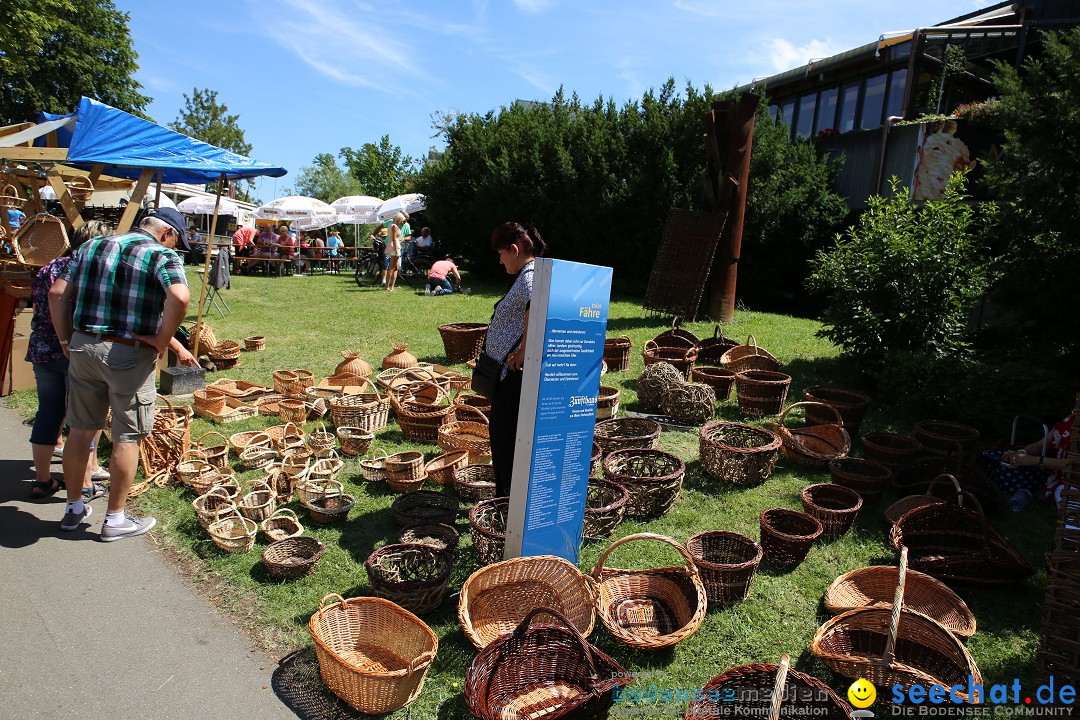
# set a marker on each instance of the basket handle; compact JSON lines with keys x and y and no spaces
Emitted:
{"x":213,"y":432}
{"x":216,"y":490}
{"x":946,"y":477}
{"x":806,"y":403}
{"x":284,"y":511}
{"x":225,"y":511}
{"x":340,"y":600}
{"x":523,"y":627}
{"x":751,"y":341}
{"x":897,"y":608}
{"x":964,"y":496}
{"x":375,"y":450}
{"x":470,"y":408}
{"x":260,"y":440}
{"x":778,"y":687}
{"x":598,"y":570}
{"x":193,"y":454}
{"x":374,"y":387}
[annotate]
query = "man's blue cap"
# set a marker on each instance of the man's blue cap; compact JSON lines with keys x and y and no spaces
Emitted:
{"x":173,"y":218}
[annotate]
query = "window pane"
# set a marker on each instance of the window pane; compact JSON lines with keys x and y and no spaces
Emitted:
{"x":849,"y":98}
{"x":773,"y":110}
{"x":873,"y":102}
{"x":895,"y":106}
{"x":826,"y":111}
{"x":807,"y":104}
{"x":787,"y":110}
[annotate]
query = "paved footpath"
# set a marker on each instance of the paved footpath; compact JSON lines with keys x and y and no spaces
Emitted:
{"x":108,"y":630}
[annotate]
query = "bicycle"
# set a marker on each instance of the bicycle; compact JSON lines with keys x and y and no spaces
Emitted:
{"x":368,"y":268}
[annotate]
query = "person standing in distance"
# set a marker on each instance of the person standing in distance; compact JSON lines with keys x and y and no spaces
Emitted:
{"x":130,"y":296}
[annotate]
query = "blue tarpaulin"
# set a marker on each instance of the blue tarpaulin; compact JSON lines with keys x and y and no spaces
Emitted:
{"x":126,"y":145}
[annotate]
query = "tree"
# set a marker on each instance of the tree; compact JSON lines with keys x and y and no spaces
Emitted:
{"x":204,"y":119}
{"x":52,"y":52}
{"x":382,"y":170}
{"x":326,"y":180}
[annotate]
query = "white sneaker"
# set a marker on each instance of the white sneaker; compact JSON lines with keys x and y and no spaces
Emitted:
{"x":427,"y":291}
{"x":438,"y":291}
{"x":100,"y":474}
{"x":58,"y":452}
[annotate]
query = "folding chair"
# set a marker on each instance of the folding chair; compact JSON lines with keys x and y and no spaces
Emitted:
{"x":219,"y":278}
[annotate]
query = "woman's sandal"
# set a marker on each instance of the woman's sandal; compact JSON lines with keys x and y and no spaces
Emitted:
{"x":42,"y":490}
{"x":93,"y":492}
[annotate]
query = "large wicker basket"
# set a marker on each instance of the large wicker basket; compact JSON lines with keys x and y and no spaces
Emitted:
{"x":740,"y":454}
{"x":623,"y":433}
{"x":786,"y":535}
{"x":866,"y":477}
{"x":414,"y":576}
{"x":443,"y":469}
{"x":889,"y":448}
{"x":424,"y":506}
{"x":711,"y":350}
{"x":617,"y":353}
{"x":292,"y":558}
{"x":652,"y":477}
{"x":682,"y":359}
{"x":498,"y":596}
{"x":654,"y":608}
{"x":761,"y":392}
{"x":834,"y":506}
{"x":369,"y":411}
{"x":942,"y":488}
{"x":719,"y":379}
{"x":442,"y":536}
{"x":40,"y":240}
{"x":283,"y":524}
{"x":470,"y":435}
{"x":749,"y":357}
{"x":354,"y":441}
{"x":850,"y":404}
{"x":943,"y":436}
{"x":420,"y":421}
{"x":474,"y":483}
{"x":817,"y":445}
{"x":605,"y":505}
{"x":727,"y":562}
{"x":372,"y":653}
{"x":487,"y":525}
{"x":462,"y":341}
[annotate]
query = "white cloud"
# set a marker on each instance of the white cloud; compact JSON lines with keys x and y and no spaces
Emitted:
{"x":535,"y":78}
{"x":533,"y":7}
{"x":785,"y":56}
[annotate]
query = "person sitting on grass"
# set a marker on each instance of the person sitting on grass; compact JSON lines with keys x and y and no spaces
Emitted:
{"x":1025,"y":472}
{"x":437,"y":284}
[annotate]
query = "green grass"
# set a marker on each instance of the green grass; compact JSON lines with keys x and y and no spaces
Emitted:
{"x":308,"y":320}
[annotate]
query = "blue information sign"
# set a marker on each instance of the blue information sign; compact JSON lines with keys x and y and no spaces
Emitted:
{"x":563,"y":355}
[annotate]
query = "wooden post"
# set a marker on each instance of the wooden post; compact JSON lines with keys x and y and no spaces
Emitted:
{"x":206,"y":268}
{"x":64,"y":196}
{"x":135,"y":201}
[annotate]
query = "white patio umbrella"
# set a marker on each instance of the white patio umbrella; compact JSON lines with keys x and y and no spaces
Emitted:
{"x":205,"y":206}
{"x":410,"y":203}
{"x":355,"y":204}
{"x":358,"y":218}
{"x":299,"y":209}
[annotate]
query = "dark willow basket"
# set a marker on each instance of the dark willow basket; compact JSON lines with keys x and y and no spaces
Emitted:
{"x":652,"y":477}
{"x":474,"y":483}
{"x":834,"y":506}
{"x":623,"y":433}
{"x":605,"y":504}
{"x":890,"y":449}
{"x":414,"y":576}
{"x":719,"y":379}
{"x":736,"y":453}
{"x":866,"y":477}
{"x":462,"y":341}
{"x":786,"y":535}
{"x":424,"y":506}
{"x":292,"y":557}
{"x":444,"y":537}
{"x":711,"y":350}
{"x":727,"y":562}
{"x":617,"y":353}
{"x":761,"y":392}
{"x":487,"y":524}
{"x":850,"y":404}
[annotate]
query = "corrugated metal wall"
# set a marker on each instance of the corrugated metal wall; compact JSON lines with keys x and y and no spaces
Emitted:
{"x":862,"y":155}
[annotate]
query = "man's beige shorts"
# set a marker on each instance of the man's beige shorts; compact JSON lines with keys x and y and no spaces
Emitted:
{"x":103,"y":375}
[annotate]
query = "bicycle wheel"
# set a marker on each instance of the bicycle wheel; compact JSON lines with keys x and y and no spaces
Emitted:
{"x":411,"y":274}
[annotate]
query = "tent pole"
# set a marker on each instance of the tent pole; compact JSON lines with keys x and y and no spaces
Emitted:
{"x":157,"y":191}
{"x":206,"y":267}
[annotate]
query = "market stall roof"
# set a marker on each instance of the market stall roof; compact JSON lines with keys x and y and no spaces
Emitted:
{"x":97,"y":134}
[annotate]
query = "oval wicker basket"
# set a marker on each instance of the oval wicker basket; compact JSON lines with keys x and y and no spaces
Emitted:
{"x":372,"y":653}
{"x":292,"y":557}
{"x":474,"y":483}
{"x":283,"y":524}
{"x":676,"y":336}
{"x":607,"y":402}
{"x":209,"y":506}
{"x":209,"y":400}
{"x":233,"y":534}
{"x":727,"y":562}
{"x":308,"y":490}
{"x":720,"y":380}
{"x":682,"y":359}
{"x":834,"y":506}
{"x":293,"y":383}
{"x":259,"y":503}
{"x":890,"y":449}
{"x":412,"y":575}
{"x":866,"y":477}
{"x":330,"y":509}
{"x":424,"y":506}
{"x":850,"y":404}
{"x":321,"y":441}
{"x":624,"y":433}
{"x":817,"y":445}
{"x":462,"y":341}
{"x":216,"y":455}
{"x":470,"y":435}
{"x":617,"y":353}
{"x":354,"y":441}
{"x":439,"y":535}
{"x":405,"y":471}
{"x":255,"y":343}
{"x":254,"y":457}
{"x":369,"y":411}
{"x":711,"y":349}
{"x":654,"y":608}
{"x":652,"y":477}
{"x":292,"y":411}
{"x":487,"y":526}
{"x":495,"y":598}
{"x":786,"y":535}
{"x":373,"y":467}
{"x":740,"y":454}
{"x":932,"y":496}
{"x":605,"y":505}
{"x":225,"y":350}
{"x":420,"y":421}
{"x":749,"y":357}
{"x":761,"y":392}
{"x":943,"y":435}
{"x":443,"y":468}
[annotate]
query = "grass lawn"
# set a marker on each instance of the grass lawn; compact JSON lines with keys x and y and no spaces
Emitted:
{"x":308,"y":320}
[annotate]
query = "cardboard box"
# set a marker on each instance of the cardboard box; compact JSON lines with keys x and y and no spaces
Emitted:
{"x":22,"y":322}
{"x":20,"y":375}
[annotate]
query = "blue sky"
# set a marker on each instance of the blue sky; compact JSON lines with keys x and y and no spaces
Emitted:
{"x":312,"y":76}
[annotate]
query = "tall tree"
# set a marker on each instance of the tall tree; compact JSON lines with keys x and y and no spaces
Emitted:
{"x":52,"y":52}
{"x":383,"y":170}
{"x":203,"y":118}
{"x":326,"y":180}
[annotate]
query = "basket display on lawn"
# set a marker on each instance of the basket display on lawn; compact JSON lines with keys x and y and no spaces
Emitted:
{"x":440,"y":535}
{"x":413,"y":576}
{"x":443,"y":469}
{"x":283,"y":524}
{"x":354,"y":441}
{"x":617,"y":353}
{"x":719,"y":379}
{"x":542,"y":669}
{"x":894,"y":646}
{"x":474,"y":483}
{"x":233,"y":534}
{"x":652,"y":477}
{"x":834,"y":506}
{"x":605,"y":505}
{"x":761,"y":392}
{"x":680,"y":358}
{"x":330,"y":509}
{"x":889,"y":448}
{"x":372,"y":653}
{"x":462,"y":341}
{"x":727,"y":562}
{"x":471,"y":435}
{"x":653,"y":381}
{"x":956,"y":544}
{"x":424,"y":506}
{"x":369,"y":411}
{"x":749,"y":357}
{"x":943,"y":436}
{"x":787,"y":535}
{"x":654,"y":608}
{"x":292,"y":557}
{"x":487,"y":525}
{"x":495,"y":598}
{"x":850,"y":404}
{"x":623,"y":433}
{"x":816,"y":445}
{"x":866,"y":477}
{"x":405,"y":471}
{"x":40,"y":240}
{"x":942,"y":489}
{"x":740,"y":454}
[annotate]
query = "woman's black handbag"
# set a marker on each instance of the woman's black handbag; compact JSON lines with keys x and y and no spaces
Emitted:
{"x":486,"y":375}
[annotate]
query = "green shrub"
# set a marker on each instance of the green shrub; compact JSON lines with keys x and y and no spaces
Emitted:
{"x":905,"y":278}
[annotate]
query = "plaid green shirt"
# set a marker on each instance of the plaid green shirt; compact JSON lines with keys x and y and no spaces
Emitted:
{"x":120,"y":283}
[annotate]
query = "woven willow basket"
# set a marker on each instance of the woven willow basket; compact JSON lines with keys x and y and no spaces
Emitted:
{"x":652,"y":477}
{"x":740,"y":454}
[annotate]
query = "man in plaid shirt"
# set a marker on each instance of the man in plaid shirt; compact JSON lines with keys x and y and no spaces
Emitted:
{"x":130,"y":296}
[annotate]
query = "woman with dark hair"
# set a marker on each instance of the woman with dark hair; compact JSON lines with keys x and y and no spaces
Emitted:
{"x":518,"y":246}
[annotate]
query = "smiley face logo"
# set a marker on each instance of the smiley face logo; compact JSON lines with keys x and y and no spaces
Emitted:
{"x":862,"y":694}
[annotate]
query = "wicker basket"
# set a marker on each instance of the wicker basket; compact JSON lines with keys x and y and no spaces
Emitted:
{"x":938,"y":492}
{"x":11,"y":198}
{"x":727,"y":562}
{"x":169,"y":440}
{"x":443,"y":469}
{"x":372,"y":653}
{"x":543,"y":670}
{"x":624,"y":433}
{"x":354,"y":441}
{"x":956,"y":544}
{"x":209,"y":400}
{"x":617,"y":353}
{"x":650,"y":609}
{"x":283,"y":524}
{"x":749,"y":357}
{"x":192,"y":465}
{"x":330,"y":509}
{"x":255,"y":343}
{"x":477,"y":402}
{"x":689,"y":403}
{"x":293,"y":383}
{"x":605,"y":505}
{"x":439,"y":535}
{"x":224,"y":351}
{"x":413,"y":576}
{"x":353,"y":364}
{"x":373,"y":467}
{"x":866,"y":477}
{"x":399,"y":357}
{"x":893,"y":646}
{"x":834,"y":506}
{"x":817,"y":445}
{"x":786,"y":535}
{"x":462,"y":341}
{"x":321,"y":441}
{"x":890,"y":449}
{"x":292,"y":411}
{"x":653,"y":381}
{"x":216,"y":455}
{"x":653,"y":479}
{"x":943,"y":436}
{"x":720,"y":380}
{"x":676,"y":336}
{"x":474,"y":483}
{"x":255,"y":456}
{"x":233,"y":534}
{"x":850,"y":404}
{"x":420,"y":421}
{"x":217,"y":478}
{"x":259,"y":503}
{"x":268,"y":404}
{"x":487,"y":525}
{"x":711,"y":350}
{"x":469,"y":435}
{"x":40,"y":240}
{"x":81,"y":188}
{"x":495,"y":598}
{"x":405,"y":471}
{"x":682,"y":359}
{"x":424,"y":506}
{"x":740,"y":454}
{"x":876,"y":587}
{"x":19,"y":288}
{"x":211,"y":506}
{"x":308,"y":491}
{"x":324,"y":469}
{"x":763,"y":690}
{"x":292,"y":558}
{"x":761,"y":392}
{"x":607,"y":402}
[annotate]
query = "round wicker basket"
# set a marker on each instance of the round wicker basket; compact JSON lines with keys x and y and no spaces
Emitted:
{"x":786,"y":535}
{"x":652,"y":477}
{"x":727,"y":562}
{"x":736,"y":453}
